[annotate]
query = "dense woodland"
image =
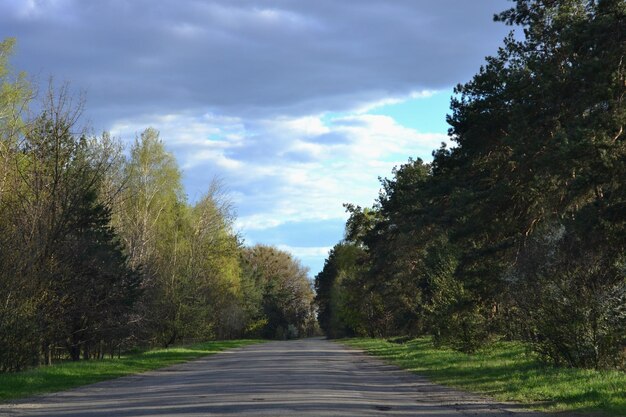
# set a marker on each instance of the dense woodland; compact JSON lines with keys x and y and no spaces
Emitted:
{"x":518,"y":231}
{"x":100,"y":251}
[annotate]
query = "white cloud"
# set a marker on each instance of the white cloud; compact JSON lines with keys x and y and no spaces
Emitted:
{"x":279,"y":170}
{"x":367,"y":107}
{"x":212,"y":156}
{"x":256,"y":222}
{"x":306,"y":126}
{"x":295,"y":177}
{"x":306,"y":251}
{"x":196,"y":140}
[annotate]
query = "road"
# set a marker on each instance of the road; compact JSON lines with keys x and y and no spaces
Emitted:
{"x":311,"y":377}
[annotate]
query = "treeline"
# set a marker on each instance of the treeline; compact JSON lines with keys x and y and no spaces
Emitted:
{"x":100,"y":251}
{"x":519,"y":230}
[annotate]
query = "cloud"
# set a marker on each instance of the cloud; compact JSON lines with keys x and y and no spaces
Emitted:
{"x":311,"y":257}
{"x":245,"y":58}
{"x":286,"y":170}
{"x":386,"y":101}
{"x":306,"y":251}
{"x":299,"y":106}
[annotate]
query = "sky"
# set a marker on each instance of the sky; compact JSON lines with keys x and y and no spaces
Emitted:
{"x":297,"y":106}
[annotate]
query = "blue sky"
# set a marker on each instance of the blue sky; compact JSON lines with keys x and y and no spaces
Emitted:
{"x":297,"y":106}
{"x":426,"y":113}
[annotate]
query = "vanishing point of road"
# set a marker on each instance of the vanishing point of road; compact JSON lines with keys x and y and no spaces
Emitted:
{"x":310,"y":377}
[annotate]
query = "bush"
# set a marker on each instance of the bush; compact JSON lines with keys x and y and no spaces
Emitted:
{"x":292,"y":332}
{"x":570,"y":295}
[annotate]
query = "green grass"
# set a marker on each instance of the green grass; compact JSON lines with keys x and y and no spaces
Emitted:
{"x":67,"y":375}
{"x":507,"y":372}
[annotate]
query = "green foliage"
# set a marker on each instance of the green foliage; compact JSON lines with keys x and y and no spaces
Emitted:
{"x":215,"y":264}
{"x":519,"y":230}
{"x":285,"y":296}
{"x":339,"y":298}
{"x":563,"y":117}
{"x":15,"y":95}
{"x":507,"y":372}
{"x":97,"y":291}
{"x":151,"y":219}
{"x":151,"y":201}
{"x":18,"y":329}
{"x":63,"y":273}
{"x":561,"y":276}
{"x":189,"y":254}
{"x":101,"y":253}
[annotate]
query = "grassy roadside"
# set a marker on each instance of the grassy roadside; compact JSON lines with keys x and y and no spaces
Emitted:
{"x":506,"y":371}
{"x":67,"y":375}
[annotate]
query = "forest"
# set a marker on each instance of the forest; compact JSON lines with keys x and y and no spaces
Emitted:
{"x":101,"y":252}
{"x":518,"y":230}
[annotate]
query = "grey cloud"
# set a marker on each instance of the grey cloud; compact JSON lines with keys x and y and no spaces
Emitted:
{"x":251,"y":58}
{"x":299,"y":156}
{"x":349,"y":122}
{"x":332,"y":138}
{"x":260,"y":193}
{"x":257,"y":149}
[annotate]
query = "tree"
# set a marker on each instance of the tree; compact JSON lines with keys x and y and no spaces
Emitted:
{"x":340,"y":295}
{"x":69,"y":275}
{"x":286,"y":291}
{"x":15,"y":96}
{"x":152,"y":194}
{"x":518,"y":230}
{"x":150,"y":214}
{"x":96,"y":289}
{"x":189,"y":254}
{"x":214,"y":265}
{"x":17,"y":344}
{"x":540,"y":134}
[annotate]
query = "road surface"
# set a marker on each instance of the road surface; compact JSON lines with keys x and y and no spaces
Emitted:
{"x":311,"y":377}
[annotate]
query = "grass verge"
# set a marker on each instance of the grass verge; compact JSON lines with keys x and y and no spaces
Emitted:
{"x":507,"y":372}
{"x":67,"y":375}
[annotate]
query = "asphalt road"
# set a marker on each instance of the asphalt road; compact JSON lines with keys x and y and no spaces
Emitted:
{"x":311,"y":377}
